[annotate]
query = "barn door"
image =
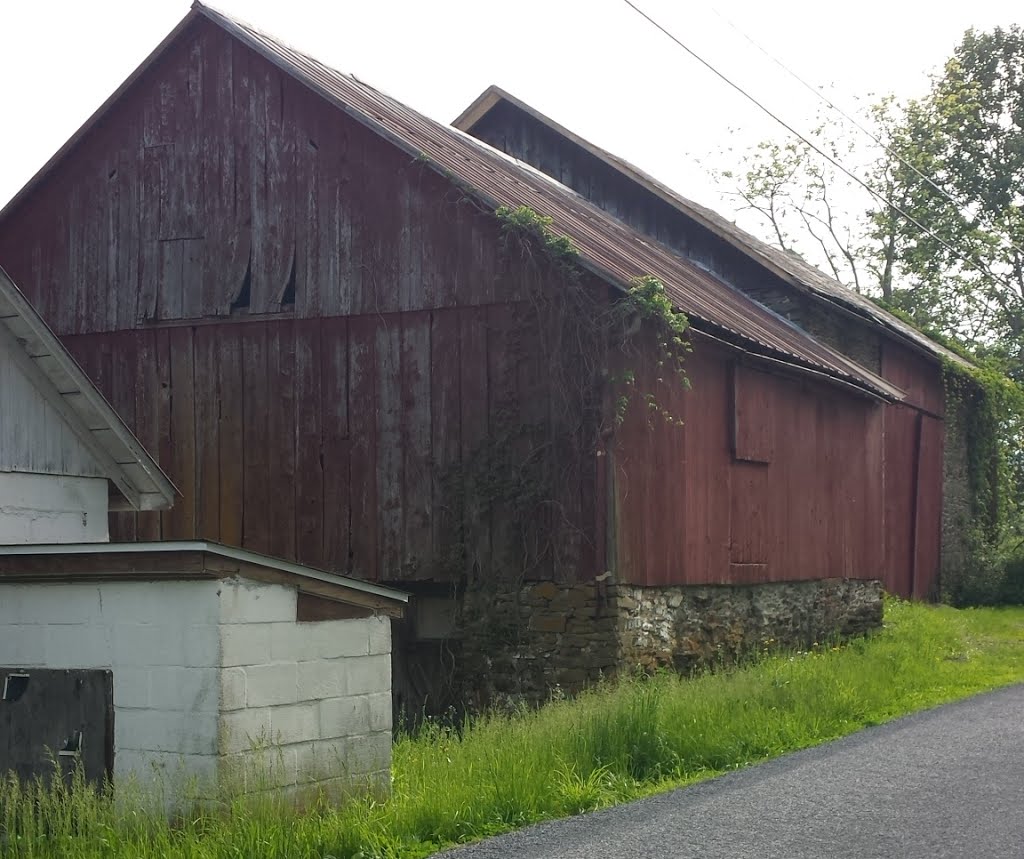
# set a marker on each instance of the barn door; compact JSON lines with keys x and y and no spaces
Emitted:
{"x":928,"y":508}
{"x":56,"y":717}
{"x":913,"y":501}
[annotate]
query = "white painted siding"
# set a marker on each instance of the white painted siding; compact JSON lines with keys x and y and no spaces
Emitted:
{"x":50,"y":508}
{"x":316,"y":696}
{"x":33,"y":435}
{"x":160,"y":639}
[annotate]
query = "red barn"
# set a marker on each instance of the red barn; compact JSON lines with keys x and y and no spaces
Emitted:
{"x":301,"y":296}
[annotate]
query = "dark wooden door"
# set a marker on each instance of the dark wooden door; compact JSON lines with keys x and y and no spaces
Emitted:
{"x":55,"y":719}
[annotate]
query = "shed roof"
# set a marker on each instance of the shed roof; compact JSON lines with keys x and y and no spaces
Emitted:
{"x":43,"y":358}
{"x":190,"y":559}
{"x":606,"y":246}
{"x":792,"y":268}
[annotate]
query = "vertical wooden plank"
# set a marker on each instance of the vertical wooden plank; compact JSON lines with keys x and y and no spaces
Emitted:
{"x":310,"y":506}
{"x":180,"y":521}
{"x":900,"y":490}
{"x":230,"y":433}
{"x":281,"y":438}
{"x":152,"y":399}
{"x":122,"y":398}
{"x":311,"y":210}
{"x":474,"y":399}
{"x":207,"y":343}
{"x":363,"y":406}
{"x":390,"y":461}
{"x":446,"y":433}
{"x":163,"y":422}
{"x":928,"y":530}
{"x":256,"y":441}
{"x":415,"y":439}
{"x":339,"y":508}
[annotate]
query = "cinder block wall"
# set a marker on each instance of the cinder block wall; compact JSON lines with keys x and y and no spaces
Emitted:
{"x":302,"y":703}
{"x":216,"y":680}
{"x":161,"y":641}
{"x":52,"y":508}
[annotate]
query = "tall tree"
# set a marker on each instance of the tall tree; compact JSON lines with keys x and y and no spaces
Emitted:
{"x":966,"y":137}
{"x":948,"y":250}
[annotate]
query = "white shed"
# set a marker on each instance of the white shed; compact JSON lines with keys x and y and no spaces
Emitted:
{"x":192,"y":659}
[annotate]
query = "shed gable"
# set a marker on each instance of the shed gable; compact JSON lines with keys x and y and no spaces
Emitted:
{"x":35,"y":437}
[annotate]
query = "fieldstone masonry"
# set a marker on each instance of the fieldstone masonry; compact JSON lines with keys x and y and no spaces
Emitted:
{"x":545,"y":638}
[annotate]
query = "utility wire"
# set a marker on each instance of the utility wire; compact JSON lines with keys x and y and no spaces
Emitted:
{"x":834,"y":162}
{"x":960,"y":204}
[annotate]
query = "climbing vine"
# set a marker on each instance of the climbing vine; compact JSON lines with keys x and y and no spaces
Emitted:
{"x":527,"y":463}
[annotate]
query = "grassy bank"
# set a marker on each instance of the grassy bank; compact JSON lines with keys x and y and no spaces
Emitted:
{"x":616,"y":743}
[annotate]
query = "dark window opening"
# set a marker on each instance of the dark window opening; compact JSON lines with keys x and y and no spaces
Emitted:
{"x":288,"y":296}
{"x":241,"y":302}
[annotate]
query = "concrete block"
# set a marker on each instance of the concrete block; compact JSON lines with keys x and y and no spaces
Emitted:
{"x":202,"y":645}
{"x":244,"y":644}
{"x":368,"y":674}
{"x":324,"y":678}
{"x":334,"y":638}
{"x":381,"y":711}
{"x":161,"y":731}
{"x":192,"y":690}
{"x":22,"y":645}
{"x":232,"y":688}
{"x":345,"y":717}
{"x":164,"y":770}
{"x":365,"y":754}
{"x":184,"y":602}
{"x":309,"y":765}
{"x":131,"y":688}
{"x":141,"y":644}
{"x":379,"y":629}
{"x":269,"y":685}
{"x":256,"y":771}
{"x":242,"y":730}
{"x":291,"y":642}
{"x":245,"y":601}
{"x":295,"y":723}
{"x":52,"y":602}
{"x":78,"y":646}
{"x":331,"y":757}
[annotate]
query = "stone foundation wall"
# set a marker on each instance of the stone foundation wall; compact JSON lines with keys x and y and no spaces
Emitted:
{"x":692,"y":627}
{"x":545,"y":639}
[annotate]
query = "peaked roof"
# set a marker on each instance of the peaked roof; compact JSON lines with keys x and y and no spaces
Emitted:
{"x":606,"y":246}
{"x":790,"y":267}
{"x":57,"y":375}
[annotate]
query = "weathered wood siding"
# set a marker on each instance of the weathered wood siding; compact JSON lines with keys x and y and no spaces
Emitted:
{"x":308,"y":328}
{"x":34,"y":437}
{"x":219,"y":181}
{"x":911,"y":508}
{"x":768,"y":479}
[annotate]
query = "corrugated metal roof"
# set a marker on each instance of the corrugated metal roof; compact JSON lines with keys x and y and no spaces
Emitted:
{"x":792,"y":268}
{"x":609,"y":248}
{"x":125,"y":461}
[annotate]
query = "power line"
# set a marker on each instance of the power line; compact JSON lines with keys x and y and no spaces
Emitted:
{"x":960,"y":204}
{"x":834,"y":162}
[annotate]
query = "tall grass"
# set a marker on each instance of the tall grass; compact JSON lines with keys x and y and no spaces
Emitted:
{"x":618,"y":742}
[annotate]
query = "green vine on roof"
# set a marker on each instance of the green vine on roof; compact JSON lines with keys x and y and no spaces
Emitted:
{"x":644,"y":308}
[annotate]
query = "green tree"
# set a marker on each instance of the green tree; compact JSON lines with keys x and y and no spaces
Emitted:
{"x":964,"y":140}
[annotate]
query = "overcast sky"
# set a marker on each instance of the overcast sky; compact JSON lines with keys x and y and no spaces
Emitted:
{"x":596,"y":67}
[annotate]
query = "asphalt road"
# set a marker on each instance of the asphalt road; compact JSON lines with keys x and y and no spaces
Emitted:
{"x":945,"y":783}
